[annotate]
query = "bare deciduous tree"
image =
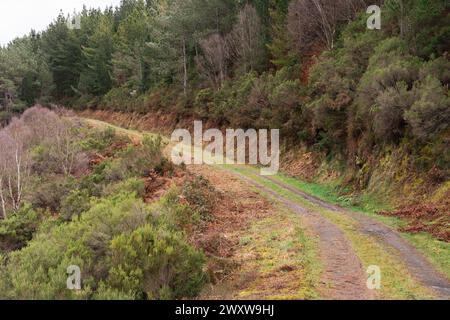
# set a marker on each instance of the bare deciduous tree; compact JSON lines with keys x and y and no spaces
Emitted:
{"x":37,"y":127}
{"x":214,"y":61}
{"x":57,"y":135}
{"x":309,"y":20}
{"x":41,"y":122}
{"x":246,"y":39}
{"x":64,"y":148}
{"x":15,"y":165}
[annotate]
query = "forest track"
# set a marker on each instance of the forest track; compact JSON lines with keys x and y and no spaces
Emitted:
{"x":343,"y":275}
{"x":415,"y":262}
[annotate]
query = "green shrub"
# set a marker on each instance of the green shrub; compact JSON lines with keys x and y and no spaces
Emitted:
{"x":116,"y":99}
{"x":155,"y":263}
{"x":39,"y":270}
{"x":99,"y":140}
{"x":125,"y":100}
{"x":438,"y":68}
{"x":18,"y":228}
{"x":132,"y":162}
{"x":204,"y":102}
{"x":389,"y":109}
{"x":140,"y":161}
{"x":103,"y":243}
{"x":107,"y":293}
{"x":176,"y":215}
{"x":430,"y":113}
{"x":77,"y":202}
{"x":50,"y":190}
{"x":132,"y":185}
{"x":95,"y":181}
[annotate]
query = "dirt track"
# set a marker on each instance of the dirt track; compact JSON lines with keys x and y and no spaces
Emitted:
{"x":343,"y":277}
{"x":414,"y":260}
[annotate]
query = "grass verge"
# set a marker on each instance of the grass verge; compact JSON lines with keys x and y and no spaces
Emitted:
{"x":280,"y":258}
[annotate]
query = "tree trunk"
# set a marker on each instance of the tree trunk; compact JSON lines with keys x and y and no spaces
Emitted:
{"x":2,"y":198}
{"x":185,"y":67}
{"x":19,"y":180}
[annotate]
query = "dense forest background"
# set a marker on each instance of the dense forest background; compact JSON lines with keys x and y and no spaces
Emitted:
{"x":363,"y":101}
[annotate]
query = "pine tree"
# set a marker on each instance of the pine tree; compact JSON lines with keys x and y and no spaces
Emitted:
{"x":63,"y":51}
{"x":130,"y":61}
{"x":96,"y":77}
{"x":279,"y":46}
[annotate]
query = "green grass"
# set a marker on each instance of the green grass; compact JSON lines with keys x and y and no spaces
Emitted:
{"x":397,"y":283}
{"x":438,"y":252}
{"x":366,"y":204}
{"x":329,"y":193}
{"x":279,"y":241}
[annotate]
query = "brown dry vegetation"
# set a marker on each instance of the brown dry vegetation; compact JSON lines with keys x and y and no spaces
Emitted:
{"x":254,"y":247}
{"x":430,"y":218}
{"x":235,"y":209}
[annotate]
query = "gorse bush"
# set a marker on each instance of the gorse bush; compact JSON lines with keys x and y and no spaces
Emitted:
{"x":155,"y":263}
{"x":175,"y":215}
{"x":19,"y":228}
{"x":74,"y":204}
{"x":139,"y":161}
{"x":50,"y":190}
{"x":100,"y":140}
{"x":70,"y":244}
{"x":122,"y":250}
{"x":131,"y":185}
{"x":430,"y":113}
{"x":124,"y":169}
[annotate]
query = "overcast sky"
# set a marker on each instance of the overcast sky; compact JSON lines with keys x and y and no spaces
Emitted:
{"x":18,"y":17}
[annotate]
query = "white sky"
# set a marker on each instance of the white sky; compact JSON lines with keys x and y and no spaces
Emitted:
{"x":18,"y":17}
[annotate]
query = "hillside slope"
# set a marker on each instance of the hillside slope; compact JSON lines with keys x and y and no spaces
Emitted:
{"x":347,"y":242}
